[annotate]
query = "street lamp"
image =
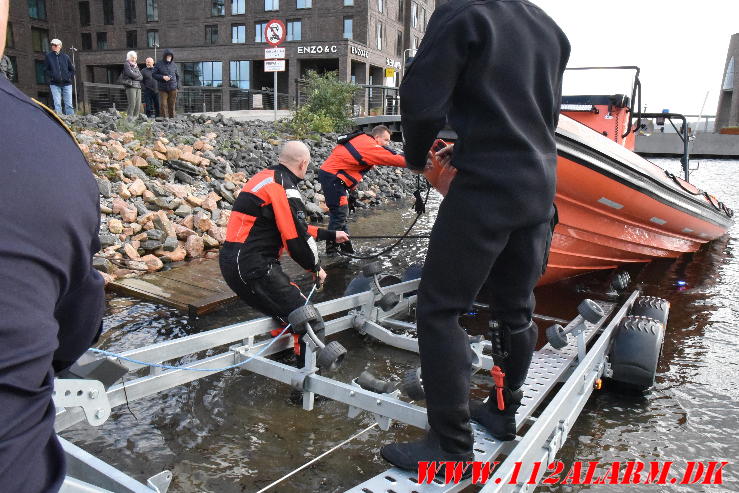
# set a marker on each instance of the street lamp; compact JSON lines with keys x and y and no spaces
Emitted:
{"x":156,"y":45}
{"x":74,"y":78}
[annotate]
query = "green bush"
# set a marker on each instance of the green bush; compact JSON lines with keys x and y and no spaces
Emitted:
{"x":327,"y":108}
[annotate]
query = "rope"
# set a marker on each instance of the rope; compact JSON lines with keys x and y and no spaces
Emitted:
{"x":188,"y":368}
{"x":292,"y":473}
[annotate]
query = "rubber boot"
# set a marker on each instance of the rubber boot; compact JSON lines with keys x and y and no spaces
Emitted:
{"x":500,"y":424}
{"x":408,"y":455}
{"x":331,"y":248}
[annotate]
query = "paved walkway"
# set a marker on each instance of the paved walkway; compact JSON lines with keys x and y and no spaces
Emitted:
{"x":250,"y":115}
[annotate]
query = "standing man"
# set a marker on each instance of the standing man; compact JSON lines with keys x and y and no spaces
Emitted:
{"x":269,"y":215}
{"x":52,"y":299}
{"x":165,"y":72}
{"x":494,"y":69}
{"x":150,"y":89}
{"x":356,"y":154}
{"x":60,"y":73}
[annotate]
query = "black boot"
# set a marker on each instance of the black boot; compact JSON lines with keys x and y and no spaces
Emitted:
{"x":331,"y":248}
{"x":408,"y":455}
{"x":500,"y":424}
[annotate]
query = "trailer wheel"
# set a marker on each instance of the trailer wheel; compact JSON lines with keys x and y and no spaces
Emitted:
{"x":635,"y":351}
{"x":412,"y":385}
{"x":652,"y":307}
{"x":305,"y":314}
{"x":590,"y":310}
{"x":388,"y":301}
{"x":330,"y":357}
{"x":556,"y":336}
{"x":371,"y":269}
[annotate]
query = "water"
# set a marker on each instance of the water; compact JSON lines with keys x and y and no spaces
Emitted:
{"x":237,"y":432}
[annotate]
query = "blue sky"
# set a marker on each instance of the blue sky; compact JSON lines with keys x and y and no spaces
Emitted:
{"x":680,"y":46}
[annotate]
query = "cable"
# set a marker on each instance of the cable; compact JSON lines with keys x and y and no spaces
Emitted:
{"x":317,"y":458}
{"x":188,"y":368}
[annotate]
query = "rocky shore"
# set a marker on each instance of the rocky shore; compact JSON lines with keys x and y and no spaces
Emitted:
{"x":167,"y":187}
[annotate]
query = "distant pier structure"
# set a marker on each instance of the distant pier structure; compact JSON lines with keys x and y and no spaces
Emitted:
{"x":727,"y":113}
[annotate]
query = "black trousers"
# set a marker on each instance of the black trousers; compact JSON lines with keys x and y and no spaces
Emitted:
{"x":272,"y":294}
{"x":337,"y":200}
{"x":151,"y":102}
{"x":468,"y":247}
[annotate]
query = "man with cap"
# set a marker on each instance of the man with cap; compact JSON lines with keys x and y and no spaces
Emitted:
{"x":52,"y":299}
{"x":59,"y":73}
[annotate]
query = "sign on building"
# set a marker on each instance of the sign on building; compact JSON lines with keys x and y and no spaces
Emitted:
{"x":274,"y":53}
{"x":275,"y":32}
{"x":274,"y":65}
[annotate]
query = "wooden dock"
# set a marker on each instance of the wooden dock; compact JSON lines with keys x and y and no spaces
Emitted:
{"x":195,"y":287}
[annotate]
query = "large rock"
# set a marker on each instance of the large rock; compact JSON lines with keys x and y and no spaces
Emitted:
{"x":177,"y":255}
{"x":162,"y":222}
{"x":202,"y":221}
{"x":156,"y":234}
{"x":218,"y":233}
{"x":160,"y":147}
{"x":194,"y":246}
{"x":107,"y":240}
{"x":170,"y":244}
{"x":102,"y":264}
{"x":209,"y":241}
{"x":173,"y":153}
{"x":183,"y":232}
{"x":137,"y":187}
{"x":150,"y":245}
{"x":183,"y":211}
{"x":115,"y":226}
{"x":131,"y":251}
{"x":105,"y":187}
{"x":139,"y":162}
{"x":133,"y":172}
{"x":184,"y":177}
{"x":122,"y":191}
{"x":186,"y":167}
{"x":211,"y":201}
{"x":153,"y":264}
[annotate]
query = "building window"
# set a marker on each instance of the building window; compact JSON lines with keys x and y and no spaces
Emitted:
{"x":203,"y":74}
{"x":84,"y":8}
{"x":131,"y":39}
{"x":348,"y":27}
{"x":238,"y":7}
{"x":37,"y":9}
{"x":9,"y":38}
{"x":294,"y":30}
{"x":40,"y":71}
{"x":238,"y":33}
{"x":152,"y":11}
{"x":381,"y":5}
{"x":152,"y":39}
{"x":348,"y":3}
{"x":211,"y":34}
{"x":130,"y":7}
{"x":399,"y":44}
{"x":414,"y":15}
{"x":378,"y":35}
{"x":86,"y":41}
{"x":218,"y":8}
{"x":401,"y":3}
{"x":39,"y":39}
{"x":108,"y":14}
{"x":728,"y":84}
{"x":271,"y":5}
{"x":304,"y":4}
{"x":259,"y":28}
{"x":102,"y":39}
{"x":240,"y":74}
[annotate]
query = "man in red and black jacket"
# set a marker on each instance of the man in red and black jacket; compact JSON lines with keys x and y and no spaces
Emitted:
{"x":355,"y":155}
{"x":268,"y":217}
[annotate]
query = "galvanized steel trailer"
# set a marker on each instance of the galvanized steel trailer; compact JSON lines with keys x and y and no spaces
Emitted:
{"x":576,"y":366}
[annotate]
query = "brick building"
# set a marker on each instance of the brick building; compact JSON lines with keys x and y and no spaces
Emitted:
{"x":727,"y":113}
{"x":218,"y":44}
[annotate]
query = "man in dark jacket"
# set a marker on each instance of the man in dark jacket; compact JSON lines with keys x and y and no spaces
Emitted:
{"x":59,"y":73}
{"x":52,"y":299}
{"x":165,"y":72}
{"x":150,"y":89}
{"x":494,"y":69}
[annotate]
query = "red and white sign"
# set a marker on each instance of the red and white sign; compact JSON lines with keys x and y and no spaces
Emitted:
{"x":275,"y":32}
{"x":274,"y":65}
{"x":274,"y":53}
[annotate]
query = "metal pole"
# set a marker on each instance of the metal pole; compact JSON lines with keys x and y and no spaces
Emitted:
{"x":74,"y":79}
{"x":274,"y":103}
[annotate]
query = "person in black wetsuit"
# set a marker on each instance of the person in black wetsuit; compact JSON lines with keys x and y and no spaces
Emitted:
{"x":269,"y":215}
{"x":494,"y":69}
{"x":51,"y":299}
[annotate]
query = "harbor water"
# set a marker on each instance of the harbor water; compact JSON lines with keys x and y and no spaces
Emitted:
{"x":238,"y":432}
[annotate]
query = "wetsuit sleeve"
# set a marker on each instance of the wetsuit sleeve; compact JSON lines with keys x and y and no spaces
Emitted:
{"x":322,"y":234}
{"x":382,"y":156}
{"x":293,"y":230}
{"x":426,"y":91}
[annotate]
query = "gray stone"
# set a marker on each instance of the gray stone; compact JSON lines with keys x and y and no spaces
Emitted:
{"x":170,"y":244}
{"x":106,"y":189}
{"x":176,"y":164}
{"x":102,"y":264}
{"x":183,"y":210}
{"x":133,"y":172}
{"x":156,"y":234}
{"x":154,"y":162}
{"x":150,"y":245}
{"x":184,"y":177}
{"x":215,"y":214}
{"x":157,"y":189}
{"x":141,"y":208}
{"x":107,"y":240}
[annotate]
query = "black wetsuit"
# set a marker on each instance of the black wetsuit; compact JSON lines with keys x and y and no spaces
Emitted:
{"x":493,"y":68}
{"x":52,"y":300}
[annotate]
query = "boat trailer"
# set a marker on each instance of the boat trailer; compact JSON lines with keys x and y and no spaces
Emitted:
{"x":621,"y":341}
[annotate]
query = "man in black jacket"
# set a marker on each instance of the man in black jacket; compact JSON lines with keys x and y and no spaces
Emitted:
{"x":59,"y":73}
{"x":165,"y":71}
{"x":52,"y":299}
{"x":493,"y":68}
{"x":150,"y":89}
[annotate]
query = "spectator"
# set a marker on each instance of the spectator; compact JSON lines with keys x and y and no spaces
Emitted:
{"x":60,"y":72}
{"x":131,"y":78}
{"x":150,"y":89}
{"x":165,"y":71}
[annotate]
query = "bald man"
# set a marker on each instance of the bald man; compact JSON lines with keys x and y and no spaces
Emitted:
{"x":150,"y":89}
{"x":268,"y":216}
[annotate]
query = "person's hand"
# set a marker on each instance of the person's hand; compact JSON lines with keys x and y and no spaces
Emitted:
{"x":445,"y":153}
{"x":342,"y":236}
{"x":321,"y":276}
{"x":166,"y":77}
